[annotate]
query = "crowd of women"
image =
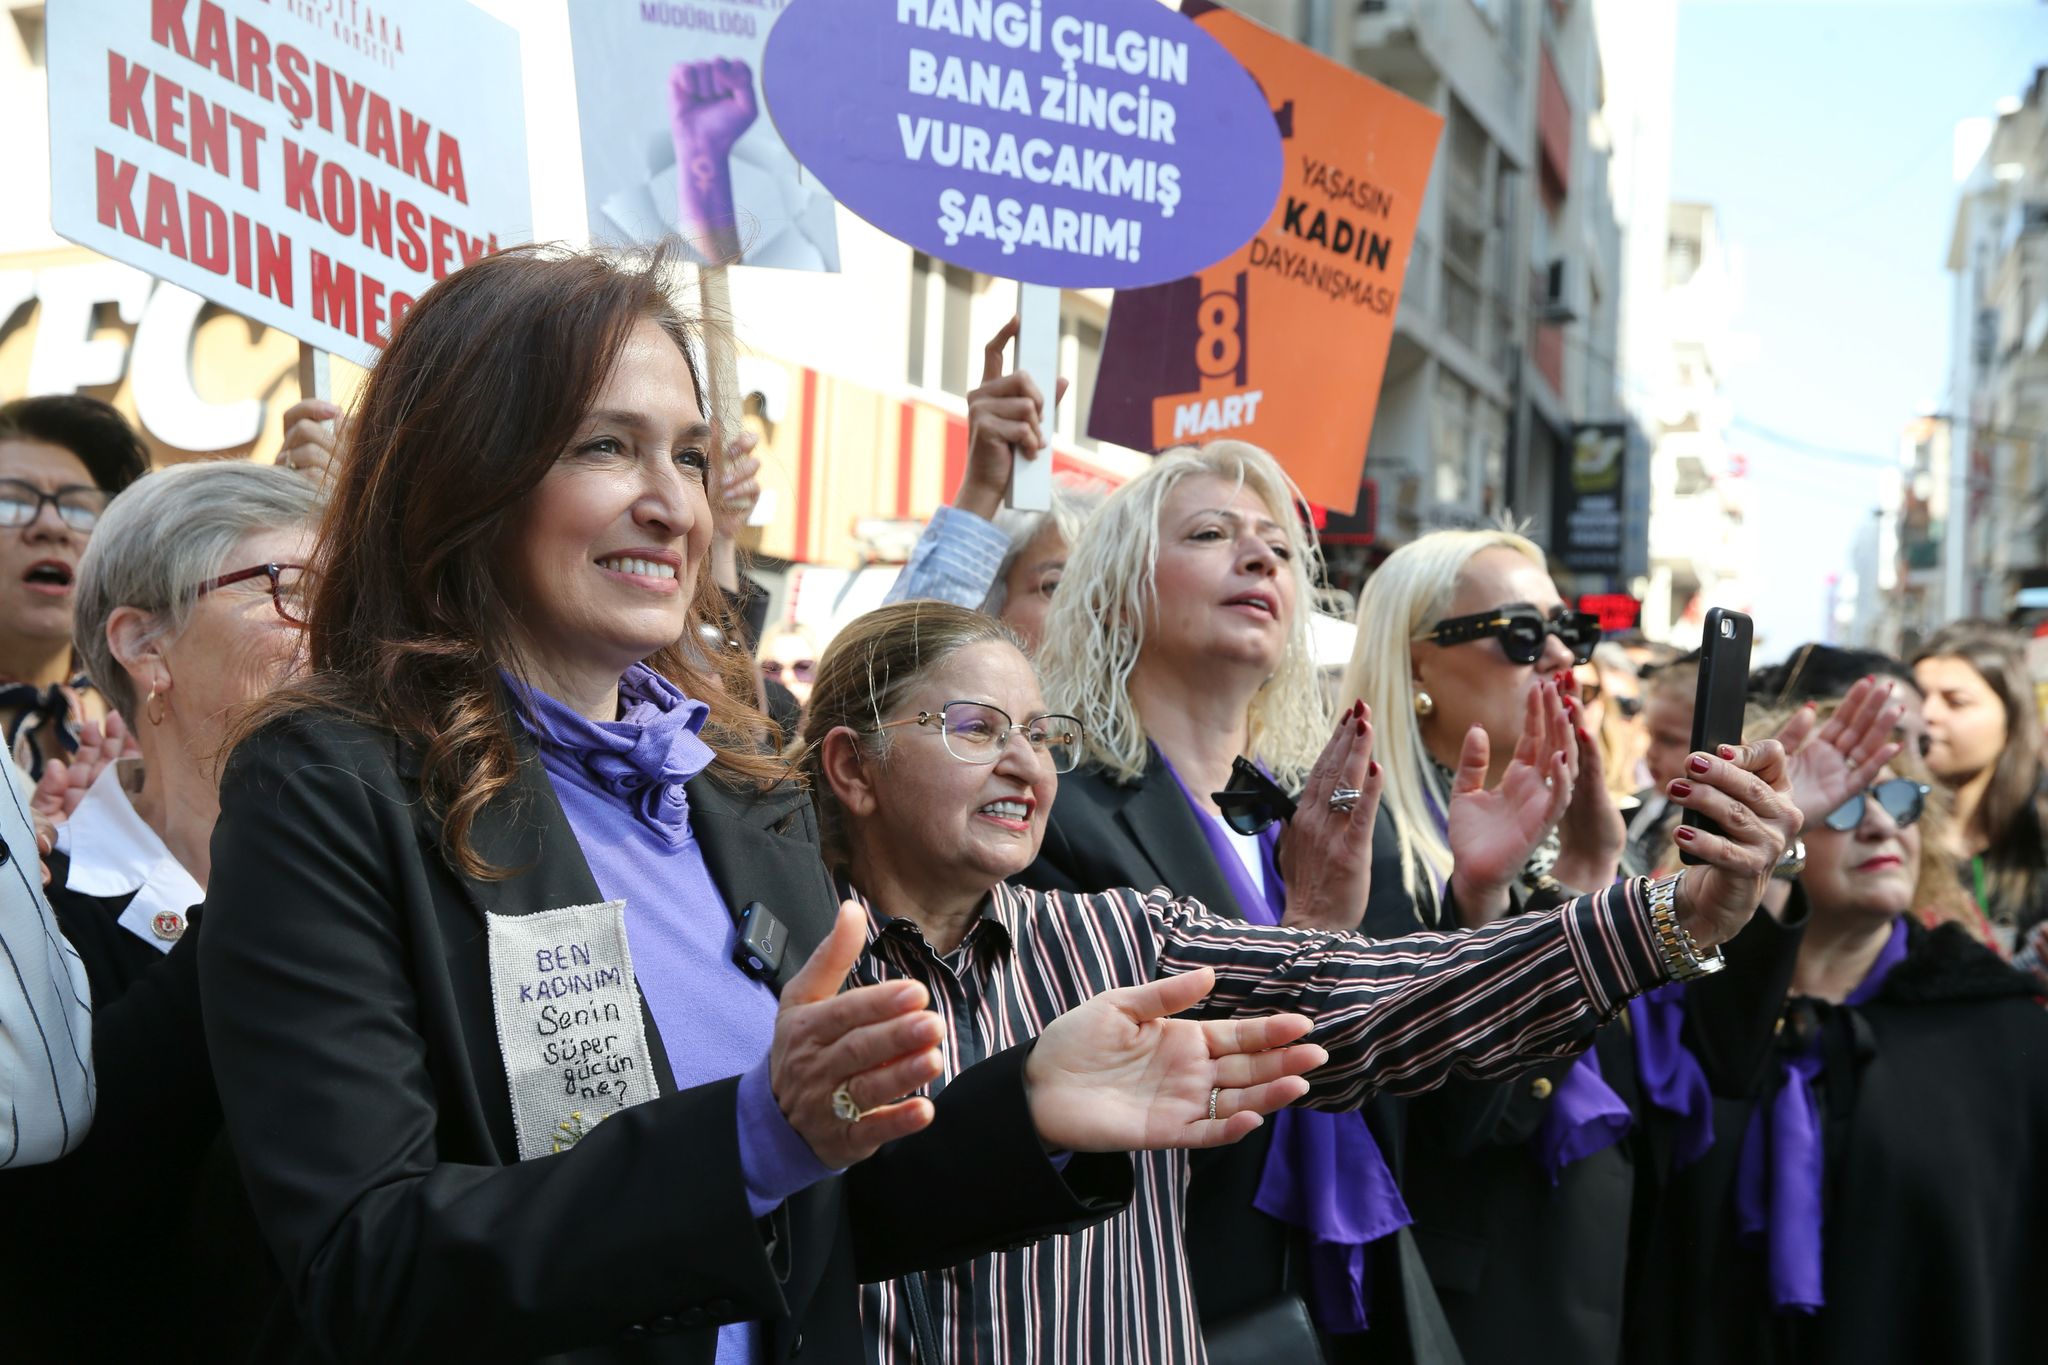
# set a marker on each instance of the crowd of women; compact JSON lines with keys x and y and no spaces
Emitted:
{"x":478,"y":971}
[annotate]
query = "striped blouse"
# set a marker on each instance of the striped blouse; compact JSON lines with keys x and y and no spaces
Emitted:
{"x":1401,"y":1015}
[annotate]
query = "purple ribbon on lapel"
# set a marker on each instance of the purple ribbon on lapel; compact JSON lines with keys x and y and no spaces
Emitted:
{"x":1778,"y":1181}
{"x":1324,"y":1171}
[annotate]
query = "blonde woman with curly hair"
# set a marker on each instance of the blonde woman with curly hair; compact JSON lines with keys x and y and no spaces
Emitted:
{"x":1179,"y":640}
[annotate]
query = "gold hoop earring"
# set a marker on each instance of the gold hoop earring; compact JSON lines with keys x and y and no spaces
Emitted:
{"x":1425,"y":705}
{"x":153,"y":708}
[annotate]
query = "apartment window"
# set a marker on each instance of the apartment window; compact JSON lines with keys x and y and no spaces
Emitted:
{"x":941,"y":309}
{"x":1451,"y":440}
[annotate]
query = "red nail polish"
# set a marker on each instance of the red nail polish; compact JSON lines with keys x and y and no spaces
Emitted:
{"x":1372,"y":769}
{"x":1726,"y":751}
{"x":1584,"y":738}
{"x":1684,"y":835}
{"x":1700,"y":763}
{"x":1361,"y":728}
{"x":1681,"y":788}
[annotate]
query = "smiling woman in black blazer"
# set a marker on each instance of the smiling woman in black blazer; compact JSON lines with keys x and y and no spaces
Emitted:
{"x":494,"y":1080}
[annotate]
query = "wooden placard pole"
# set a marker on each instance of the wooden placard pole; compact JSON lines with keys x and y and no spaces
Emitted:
{"x":315,"y":377}
{"x":720,"y":363}
{"x":1038,"y":355}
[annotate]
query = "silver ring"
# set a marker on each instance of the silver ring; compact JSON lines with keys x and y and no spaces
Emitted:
{"x":1214,"y":1091}
{"x":843,"y":1107}
{"x":1344,"y":798}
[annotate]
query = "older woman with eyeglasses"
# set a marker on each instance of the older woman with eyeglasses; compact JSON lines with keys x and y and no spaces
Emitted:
{"x":936,"y":763}
{"x":1876,"y":1194}
{"x":190,"y":607}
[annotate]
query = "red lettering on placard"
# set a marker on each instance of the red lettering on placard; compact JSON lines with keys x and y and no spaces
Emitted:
{"x":334,"y":293}
{"x":114,"y":197}
{"x":171,"y":107}
{"x":125,"y":84}
{"x":353,"y":301}
{"x":193,"y":229}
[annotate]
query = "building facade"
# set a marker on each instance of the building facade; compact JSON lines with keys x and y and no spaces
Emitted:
{"x":1991,"y":541}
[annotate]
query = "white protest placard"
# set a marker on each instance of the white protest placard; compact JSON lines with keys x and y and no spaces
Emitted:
{"x":310,"y":165}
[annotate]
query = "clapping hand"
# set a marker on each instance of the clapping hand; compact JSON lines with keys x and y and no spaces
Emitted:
{"x":1591,"y":833}
{"x":1325,"y":856}
{"x":1120,"y":1074}
{"x":876,"y":1044}
{"x":1830,"y":763}
{"x":1493,"y":832}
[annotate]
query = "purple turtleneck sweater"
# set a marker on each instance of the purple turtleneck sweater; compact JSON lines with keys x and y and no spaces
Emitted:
{"x":621,"y":785}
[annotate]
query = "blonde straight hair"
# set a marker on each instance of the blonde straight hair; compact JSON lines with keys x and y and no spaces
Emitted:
{"x":1096,"y":629}
{"x":1404,"y":598}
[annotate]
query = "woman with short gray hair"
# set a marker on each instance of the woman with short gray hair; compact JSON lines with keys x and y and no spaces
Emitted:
{"x":190,"y":603}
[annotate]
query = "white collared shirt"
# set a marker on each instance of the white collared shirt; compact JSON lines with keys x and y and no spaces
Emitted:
{"x":113,"y":853}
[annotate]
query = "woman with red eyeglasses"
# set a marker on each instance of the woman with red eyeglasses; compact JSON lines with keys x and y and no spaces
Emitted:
{"x":190,"y":599}
{"x":189,"y":606}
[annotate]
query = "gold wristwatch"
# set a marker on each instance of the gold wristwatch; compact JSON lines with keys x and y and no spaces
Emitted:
{"x":1683,"y":959}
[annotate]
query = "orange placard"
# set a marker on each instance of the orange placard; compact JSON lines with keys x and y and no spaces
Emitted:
{"x":1284,"y":343}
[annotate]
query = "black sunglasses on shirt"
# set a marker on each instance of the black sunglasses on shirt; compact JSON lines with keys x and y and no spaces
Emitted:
{"x":1251,"y":801}
{"x":1522,"y":631}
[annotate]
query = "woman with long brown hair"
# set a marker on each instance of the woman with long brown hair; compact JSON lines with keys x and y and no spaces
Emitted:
{"x":504,"y":896}
{"x":1984,"y":745}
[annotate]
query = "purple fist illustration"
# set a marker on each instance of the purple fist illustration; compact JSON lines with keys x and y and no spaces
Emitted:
{"x":710,"y":104}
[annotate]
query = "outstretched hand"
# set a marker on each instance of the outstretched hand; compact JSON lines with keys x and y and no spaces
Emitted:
{"x":1493,"y":832}
{"x":1119,"y":1073}
{"x":879,"y":1042}
{"x":1830,"y":763}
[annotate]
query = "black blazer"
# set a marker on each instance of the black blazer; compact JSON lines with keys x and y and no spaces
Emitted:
{"x":1933,"y":1100}
{"x":1102,"y":834}
{"x":345,"y":978}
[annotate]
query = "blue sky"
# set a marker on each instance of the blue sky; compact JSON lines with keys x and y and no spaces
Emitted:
{"x":1821,"y":132}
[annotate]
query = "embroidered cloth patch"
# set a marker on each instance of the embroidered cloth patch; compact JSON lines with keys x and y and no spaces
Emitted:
{"x":569,"y":1027}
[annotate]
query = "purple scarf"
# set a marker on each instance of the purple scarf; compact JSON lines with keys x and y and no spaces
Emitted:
{"x":1586,"y":1115}
{"x":1324,"y":1172}
{"x":1778,"y":1181}
{"x":644,"y":757}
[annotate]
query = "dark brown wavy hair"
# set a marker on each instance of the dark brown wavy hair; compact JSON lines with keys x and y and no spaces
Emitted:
{"x":481,"y":388}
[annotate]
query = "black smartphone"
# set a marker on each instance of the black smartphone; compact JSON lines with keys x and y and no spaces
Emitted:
{"x":1720,"y":697}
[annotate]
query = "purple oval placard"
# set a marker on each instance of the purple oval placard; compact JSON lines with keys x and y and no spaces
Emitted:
{"x":1080,"y":143}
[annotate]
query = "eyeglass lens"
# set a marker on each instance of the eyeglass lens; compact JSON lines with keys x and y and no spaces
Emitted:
{"x":78,"y":508}
{"x":1901,"y":798}
{"x":975,"y":734}
{"x":290,"y":589}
